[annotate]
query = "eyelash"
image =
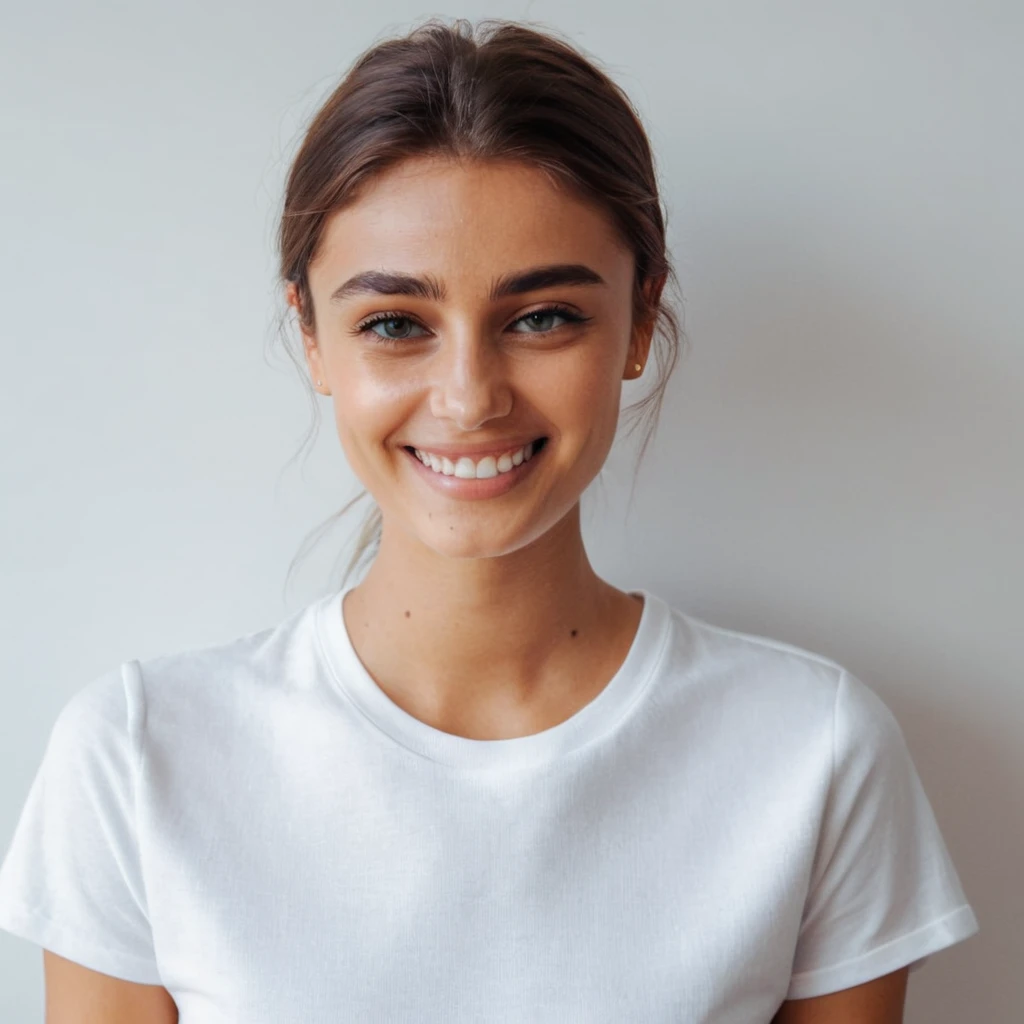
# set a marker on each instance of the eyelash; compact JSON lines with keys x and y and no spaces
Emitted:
{"x":365,"y":326}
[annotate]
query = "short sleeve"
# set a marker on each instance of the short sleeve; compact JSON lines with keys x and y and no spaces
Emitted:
{"x":71,"y":879}
{"x":884,"y":893}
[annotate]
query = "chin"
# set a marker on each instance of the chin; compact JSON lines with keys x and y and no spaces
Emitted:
{"x":453,"y":546}
{"x":473,"y":540}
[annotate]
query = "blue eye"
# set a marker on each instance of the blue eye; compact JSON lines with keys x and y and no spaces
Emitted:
{"x":388,"y":319}
{"x":543,"y":314}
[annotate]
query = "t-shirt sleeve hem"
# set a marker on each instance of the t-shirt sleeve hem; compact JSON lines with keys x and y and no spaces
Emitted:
{"x":35,"y":927}
{"x":945,"y":931}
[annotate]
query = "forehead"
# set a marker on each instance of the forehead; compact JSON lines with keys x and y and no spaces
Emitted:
{"x":468,"y":218}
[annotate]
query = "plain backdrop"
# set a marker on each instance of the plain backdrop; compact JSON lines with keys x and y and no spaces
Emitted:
{"x":840,"y":457}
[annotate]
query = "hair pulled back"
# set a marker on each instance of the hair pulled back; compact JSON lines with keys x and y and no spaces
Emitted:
{"x":499,"y":90}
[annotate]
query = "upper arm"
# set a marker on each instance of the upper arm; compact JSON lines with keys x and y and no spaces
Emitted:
{"x":78,"y":995}
{"x":879,"y":1001}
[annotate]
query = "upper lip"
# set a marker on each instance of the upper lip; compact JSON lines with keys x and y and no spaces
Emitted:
{"x":473,"y":451}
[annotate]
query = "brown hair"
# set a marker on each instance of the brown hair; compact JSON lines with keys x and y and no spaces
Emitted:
{"x":499,"y":90}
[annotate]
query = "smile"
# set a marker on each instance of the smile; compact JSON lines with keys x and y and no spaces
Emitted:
{"x":483,"y":478}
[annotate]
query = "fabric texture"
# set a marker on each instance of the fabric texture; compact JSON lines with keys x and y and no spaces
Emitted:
{"x":256,"y":826}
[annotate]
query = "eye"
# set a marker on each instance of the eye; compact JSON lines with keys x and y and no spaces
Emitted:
{"x":388,"y":320}
{"x":539,"y":317}
{"x":396,"y":326}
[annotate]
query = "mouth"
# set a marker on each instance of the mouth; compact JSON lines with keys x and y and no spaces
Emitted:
{"x":537,"y":444}
{"x":500,"y":475}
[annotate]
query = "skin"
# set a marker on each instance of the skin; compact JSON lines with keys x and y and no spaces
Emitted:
{"x":879,"y":1001}
{"x":78,"y":995}
{"x":490,"y":607}
{"x":482,"y":618}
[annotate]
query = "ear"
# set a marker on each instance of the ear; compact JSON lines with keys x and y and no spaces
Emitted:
{"x":310,"y":348}
{"x":643,"y":330}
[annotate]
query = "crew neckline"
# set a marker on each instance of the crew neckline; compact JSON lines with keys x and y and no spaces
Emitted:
{"x":597,"y":718}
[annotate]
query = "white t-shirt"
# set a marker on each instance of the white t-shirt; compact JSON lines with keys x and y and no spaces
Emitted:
{"x":257,"y":827}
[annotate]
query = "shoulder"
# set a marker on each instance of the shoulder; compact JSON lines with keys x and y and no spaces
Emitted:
{"x":99,"y":722}
{"x":794,"y":704}
{"x":761,"y":684}
{"x":118,"y":708}
{"x":104,"y":699}
{"x":725,"y":641}
{"x":731,"y":662}
{"x":201,"y":679}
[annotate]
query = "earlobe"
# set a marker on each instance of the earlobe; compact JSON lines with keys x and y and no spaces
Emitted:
{"x":309,"y":344}
{"x":644,"y":333}
{"x":633,"y":370}
{"x":313,"y":361}
{"x":315,"y":369}
{"x":639,"y":350}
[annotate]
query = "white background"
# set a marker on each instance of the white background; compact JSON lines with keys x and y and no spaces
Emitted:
{"x":840,"y":459}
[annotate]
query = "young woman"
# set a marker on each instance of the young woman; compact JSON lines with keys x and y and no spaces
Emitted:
{"x":479,"y":782}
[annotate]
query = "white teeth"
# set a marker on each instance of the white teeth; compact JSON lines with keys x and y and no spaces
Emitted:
{"x":467,"y":469}
{"x":486,"y":468}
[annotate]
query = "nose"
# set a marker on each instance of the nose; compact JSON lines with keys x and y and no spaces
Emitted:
{"x":471,"y":384}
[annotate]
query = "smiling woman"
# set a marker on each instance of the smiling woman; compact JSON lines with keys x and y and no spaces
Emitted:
{"x":480,"y":782}
{"x":507,"y":324}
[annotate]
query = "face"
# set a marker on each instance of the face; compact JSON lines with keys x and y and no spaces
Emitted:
{"x":511,"y":386}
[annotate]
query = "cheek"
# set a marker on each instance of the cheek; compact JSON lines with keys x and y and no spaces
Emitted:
{"x":594,"y":407}
{"x":585,"y":372}
{"x":367,"y":409}
{"x":588,"y":396}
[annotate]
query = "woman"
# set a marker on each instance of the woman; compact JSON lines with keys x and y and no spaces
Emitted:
{"x":481,"y":783}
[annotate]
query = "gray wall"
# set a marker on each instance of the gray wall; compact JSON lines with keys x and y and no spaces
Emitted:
{"x":839,"y":463}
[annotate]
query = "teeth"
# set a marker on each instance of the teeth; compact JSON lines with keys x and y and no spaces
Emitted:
{"x":467,"y":469}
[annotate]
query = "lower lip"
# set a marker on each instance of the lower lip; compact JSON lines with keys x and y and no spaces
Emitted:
{"x":490,"y":487}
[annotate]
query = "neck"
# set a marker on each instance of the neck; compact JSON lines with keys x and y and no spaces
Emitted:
{"x":453,"y":638}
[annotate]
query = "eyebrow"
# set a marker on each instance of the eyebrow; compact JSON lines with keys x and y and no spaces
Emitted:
{"x":385,"y":282}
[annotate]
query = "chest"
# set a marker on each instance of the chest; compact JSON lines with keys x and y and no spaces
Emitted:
{"x":372,"y":893}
